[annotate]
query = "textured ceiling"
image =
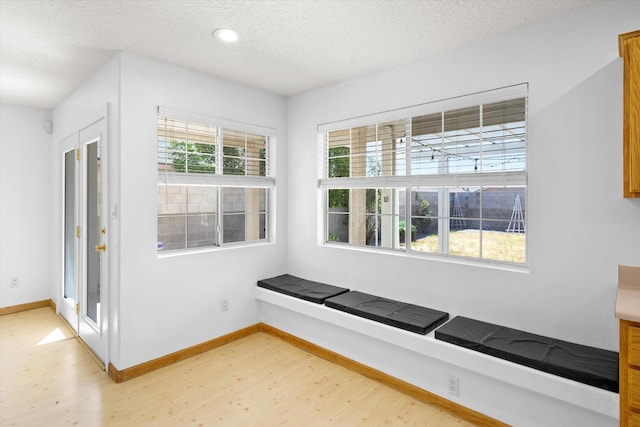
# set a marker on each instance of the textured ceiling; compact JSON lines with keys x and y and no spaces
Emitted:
{"x":49,"y":47}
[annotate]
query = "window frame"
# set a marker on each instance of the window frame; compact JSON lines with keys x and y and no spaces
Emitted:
{"x":222,"y":180}
{"x":504,"y":178}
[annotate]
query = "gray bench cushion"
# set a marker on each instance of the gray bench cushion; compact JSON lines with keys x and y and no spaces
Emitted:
{"x":301,"y":288}
{"x":401,"y":315}
{"x":588,"y":365}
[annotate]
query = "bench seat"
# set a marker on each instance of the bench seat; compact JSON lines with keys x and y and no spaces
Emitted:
{"x":401,"y":315}
{"x":588,"y":365}
{"x":301,"y":288}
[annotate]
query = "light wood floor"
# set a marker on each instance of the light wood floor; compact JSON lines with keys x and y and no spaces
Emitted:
{"x":48,"y":379}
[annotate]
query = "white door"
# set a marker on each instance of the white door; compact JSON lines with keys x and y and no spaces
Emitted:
{"x":85,"y":284}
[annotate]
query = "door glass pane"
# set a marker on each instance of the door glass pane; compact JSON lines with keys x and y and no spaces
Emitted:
{"x":92,"y":293}
{"x":69,"y":224}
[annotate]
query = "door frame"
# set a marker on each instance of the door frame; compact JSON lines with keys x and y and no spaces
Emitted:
{"x":95,"y":336}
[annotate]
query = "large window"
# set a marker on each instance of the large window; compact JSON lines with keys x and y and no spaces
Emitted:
{"x":445,"y":178}
{"x":214,"y":183}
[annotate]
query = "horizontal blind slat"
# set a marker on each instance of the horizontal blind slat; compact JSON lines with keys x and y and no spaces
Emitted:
{"x":483,"y":97}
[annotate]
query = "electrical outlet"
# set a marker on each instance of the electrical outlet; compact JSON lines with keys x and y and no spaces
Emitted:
{"x":14,"y":282}
{"x":453,"y":385}
{"x":224,"y":304}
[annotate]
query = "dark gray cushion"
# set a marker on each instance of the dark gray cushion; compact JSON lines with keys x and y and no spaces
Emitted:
{"x":401,"y":315}
{"x":588,"y":365}
{"x":301,"y":288}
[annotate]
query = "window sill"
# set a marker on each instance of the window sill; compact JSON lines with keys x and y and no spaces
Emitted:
{"x":229,"y":246}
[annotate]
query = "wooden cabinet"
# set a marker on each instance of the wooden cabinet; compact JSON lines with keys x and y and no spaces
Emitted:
{"x":629,"y":374}
{"x":629,"y":45}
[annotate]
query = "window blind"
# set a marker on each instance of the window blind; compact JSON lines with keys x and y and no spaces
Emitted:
{"x":480,"y":139}
{"x":483,"y":97}
{"x":192,"y":153}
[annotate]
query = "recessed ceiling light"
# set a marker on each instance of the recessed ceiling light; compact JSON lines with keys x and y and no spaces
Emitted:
{"x":226,"y":35}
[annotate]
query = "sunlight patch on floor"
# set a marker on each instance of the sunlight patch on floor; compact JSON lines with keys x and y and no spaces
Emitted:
{"x":54,"y":336}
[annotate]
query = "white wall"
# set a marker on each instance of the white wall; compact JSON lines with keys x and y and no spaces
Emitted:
{"x":159,"y":305}
{"x":25,"y":234}
{"x":169,"y":303}
{"x":575,"y":167}
{"x":575,"y":150}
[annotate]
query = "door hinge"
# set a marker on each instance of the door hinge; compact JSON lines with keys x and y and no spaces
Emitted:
{"x":77,"y":154}
{"x":77,"y":309}
{"x":78,"y":231}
